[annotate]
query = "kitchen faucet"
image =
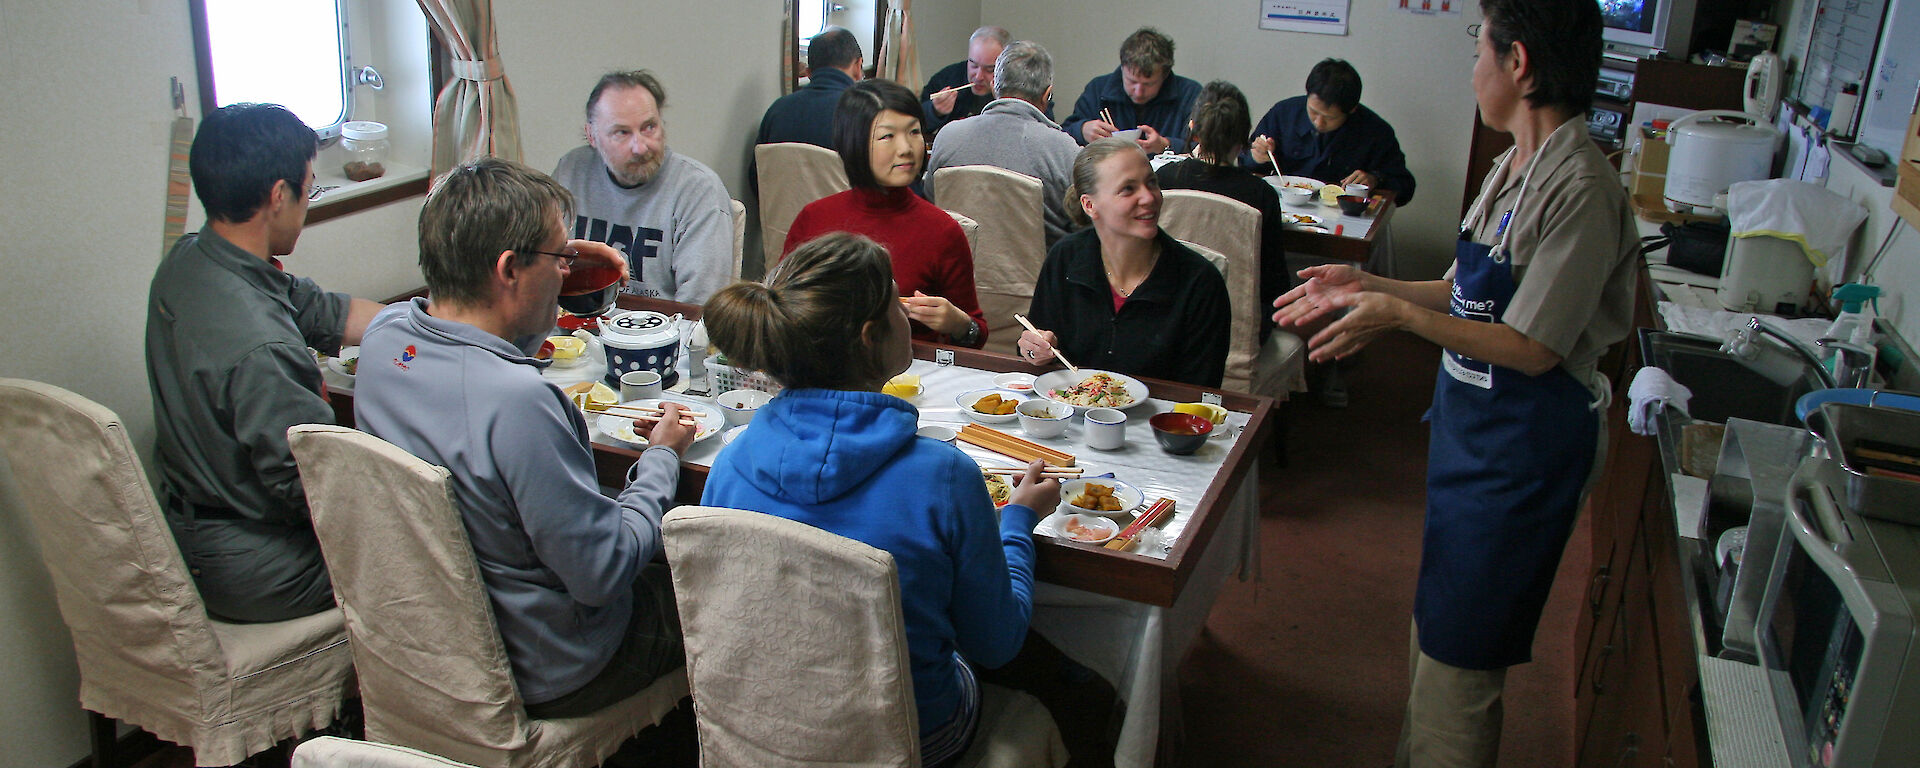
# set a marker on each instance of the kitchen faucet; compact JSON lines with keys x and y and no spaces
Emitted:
{"x":1852,"y":363}
{"x":1741,"y":344}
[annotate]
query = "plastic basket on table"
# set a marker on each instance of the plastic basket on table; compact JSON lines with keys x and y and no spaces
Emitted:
{"x":727,"y":377}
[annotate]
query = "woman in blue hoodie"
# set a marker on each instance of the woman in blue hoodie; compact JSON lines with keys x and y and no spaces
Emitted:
{"x":833,"y":452}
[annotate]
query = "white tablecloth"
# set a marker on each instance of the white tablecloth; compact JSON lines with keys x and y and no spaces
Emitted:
{"x":1135,"y":646}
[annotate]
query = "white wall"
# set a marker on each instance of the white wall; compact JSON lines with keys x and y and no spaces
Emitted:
{"x":1416,"y":72}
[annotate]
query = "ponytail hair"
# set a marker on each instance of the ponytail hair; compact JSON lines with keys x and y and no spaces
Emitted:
{"x":1221,"y":123}
{"x":805,"y":325}
{"x":1086,"y":173}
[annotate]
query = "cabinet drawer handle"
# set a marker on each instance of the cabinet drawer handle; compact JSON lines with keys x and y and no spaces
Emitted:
{"x":1598,"y":589}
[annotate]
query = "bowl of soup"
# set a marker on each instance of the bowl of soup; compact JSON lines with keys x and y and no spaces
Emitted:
{"x":1180,"y":433}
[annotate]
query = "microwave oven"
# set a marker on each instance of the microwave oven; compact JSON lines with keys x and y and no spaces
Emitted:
{"x":1836,"y":631}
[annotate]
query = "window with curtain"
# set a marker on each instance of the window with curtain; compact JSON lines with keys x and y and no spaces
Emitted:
{"x":288,"y":52}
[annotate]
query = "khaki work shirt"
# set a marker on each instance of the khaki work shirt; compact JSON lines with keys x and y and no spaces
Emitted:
{"x":1572,"y":245}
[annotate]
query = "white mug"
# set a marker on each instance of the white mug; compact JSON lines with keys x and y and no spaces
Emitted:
{"x":1358,"y":190}
{"x":1106,"y":429}
{"x":639,"y":385}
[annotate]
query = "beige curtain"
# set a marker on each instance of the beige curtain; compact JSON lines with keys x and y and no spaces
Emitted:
{"x":899,"y":58}
{"x":474,"y":115}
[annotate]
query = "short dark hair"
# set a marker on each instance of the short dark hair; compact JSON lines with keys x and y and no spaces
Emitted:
{"x":241,"y":151}
{"x":832,"y":49}
{"x":803,"y":325}
{"x":1562,"y":38}
{"x":1221,"y":121}
{"x":477,"y":211}
{"x":853,"y":124}
{"x":1147,"y":52}
{"x":1337,"y":84}
{"x":634,"y":78}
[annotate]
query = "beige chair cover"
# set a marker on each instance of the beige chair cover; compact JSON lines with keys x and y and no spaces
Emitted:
{"x":792,"y":174}
{"x":798,"y":657}
{"x":147,"y":652}
{"x":739,"y":236}
{"x":1232,"y":228}
{"x":433,"y":670}
{"x":336,"y":752}
{"x":1013,"y":241}
{"x":970,"y":228}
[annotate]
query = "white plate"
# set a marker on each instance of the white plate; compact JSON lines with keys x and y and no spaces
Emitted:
{"x":339,"y":363}
{"x":621,"y":428}
{"x":1096,"y":530}
{"x":1302,"y":220}
{"x":1296,"y":181}
{"x":727,"y":437}
{"x":1047,"y":383}
{"x":967,"y":399}
{"x":1130,"y":497}
{"x":1016,"y":381}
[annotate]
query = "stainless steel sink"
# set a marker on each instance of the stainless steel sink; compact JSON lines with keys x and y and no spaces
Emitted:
{"x":1725,"y":386}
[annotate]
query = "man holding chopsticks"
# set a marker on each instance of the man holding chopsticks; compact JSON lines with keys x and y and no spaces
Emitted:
{"x":586,"y":615}
{"x":1143,"y":94}
{"x":962,"y":89}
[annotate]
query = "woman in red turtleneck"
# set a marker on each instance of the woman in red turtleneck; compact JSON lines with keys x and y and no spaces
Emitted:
{"x":877,"y":133}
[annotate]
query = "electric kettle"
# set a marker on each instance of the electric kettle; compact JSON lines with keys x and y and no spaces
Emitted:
{"x":1712,"y":149}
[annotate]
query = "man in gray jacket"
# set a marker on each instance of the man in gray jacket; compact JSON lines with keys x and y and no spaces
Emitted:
{"x":1013,"y":133}
{"x":669,"y":213}
{"x":585,"y":614}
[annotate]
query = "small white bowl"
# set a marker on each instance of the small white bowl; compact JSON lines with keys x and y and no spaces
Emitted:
{"x":936,"y":432}
{"x":1087,"y":529}
{"x":1130,"y":134}
{"x":740,"y":404}
{"x":1043,"y":418}
{"x":1129,"y":496}
{"x":967,"y":399}
{"x":1296,"y":196}
{"x":1018,"y":382}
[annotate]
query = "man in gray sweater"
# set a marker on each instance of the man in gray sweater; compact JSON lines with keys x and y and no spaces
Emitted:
{"x":1013,"y":133}
{"x":670,"y":214}
{"x":585,"y":614}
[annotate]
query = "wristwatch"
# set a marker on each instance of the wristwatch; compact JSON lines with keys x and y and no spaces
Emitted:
{"x":969,"y":337}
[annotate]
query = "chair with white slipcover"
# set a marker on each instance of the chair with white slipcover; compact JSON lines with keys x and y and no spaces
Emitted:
{"x":797,"y":652}
{"x":1012,"y":241}
{"x":434,"y":674}
{"x":1276,"y":369}
{"x":149,"y":654}
{"x":792,"y":174}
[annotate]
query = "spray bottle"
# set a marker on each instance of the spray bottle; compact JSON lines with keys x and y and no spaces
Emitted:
{"x":1855,"y":322}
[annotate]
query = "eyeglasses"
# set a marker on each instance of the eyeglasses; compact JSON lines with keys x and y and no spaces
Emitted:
{"x":566,"y":259}
{"x":1473,"y":30}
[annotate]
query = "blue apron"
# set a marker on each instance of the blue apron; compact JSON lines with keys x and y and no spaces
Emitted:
{"x":1508,"y":458}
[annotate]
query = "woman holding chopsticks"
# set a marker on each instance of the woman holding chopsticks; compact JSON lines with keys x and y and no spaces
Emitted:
{"x":876,"y":130}
{"x":1122,"y":295}
{"x":834,"y":452}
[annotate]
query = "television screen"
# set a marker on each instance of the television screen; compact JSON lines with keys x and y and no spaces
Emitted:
{"x":1629,"y":15}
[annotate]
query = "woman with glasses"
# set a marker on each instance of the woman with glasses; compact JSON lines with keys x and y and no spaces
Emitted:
{"x":1541,"y":284}
{"x":876,"y":130}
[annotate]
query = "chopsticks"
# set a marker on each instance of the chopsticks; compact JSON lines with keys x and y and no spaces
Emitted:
{"x":1008,"y":445}
{"x":639,"y":413}
{"x":945,"y":91}
{"x":1056,"y":350}
{"x":1108,"y":117}
{"x":1046,"y":472}
{"x":1162,"y":507}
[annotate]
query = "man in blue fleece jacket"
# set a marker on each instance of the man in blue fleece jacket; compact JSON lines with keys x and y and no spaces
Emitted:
{"x":833,"y":452}
{"x":586,"y":617}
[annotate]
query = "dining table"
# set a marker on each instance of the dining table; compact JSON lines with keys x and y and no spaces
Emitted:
{"x":1365,"y":239}
{"x":1129,"y":614}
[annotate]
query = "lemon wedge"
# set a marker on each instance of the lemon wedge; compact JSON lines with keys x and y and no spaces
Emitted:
{"x":1331,"y":192}
{"x":566,"y":347}
{"x":903,"y":386}
{"x":1213,"y":413}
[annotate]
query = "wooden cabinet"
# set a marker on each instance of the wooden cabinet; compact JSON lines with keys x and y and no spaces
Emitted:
{"x":1636,"y":701}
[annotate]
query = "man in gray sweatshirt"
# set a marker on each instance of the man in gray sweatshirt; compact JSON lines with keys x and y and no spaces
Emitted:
{"x":669,"y":213}
{"x":586,"y":616}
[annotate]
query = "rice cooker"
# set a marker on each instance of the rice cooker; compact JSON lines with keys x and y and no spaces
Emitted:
{"x":1712,"y":149}
{"x":641,"y":341}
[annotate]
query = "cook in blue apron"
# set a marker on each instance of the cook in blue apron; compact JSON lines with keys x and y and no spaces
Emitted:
{"x":1508,"y":459}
